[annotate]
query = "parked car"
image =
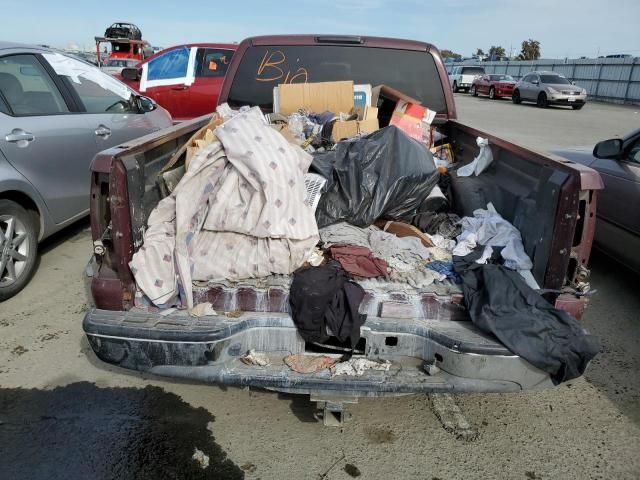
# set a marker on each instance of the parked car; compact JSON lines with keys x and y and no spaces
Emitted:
{"x":123,"y":30}
{"x":185,"y":79}
{"x":618,"y":226}
{"x":114,"y":66}
{"x":549,"y":88}
{"x":56,"y":113}
{"x":494,"y":85}
{"x":524,"y":186}
{"x":462,"y":77}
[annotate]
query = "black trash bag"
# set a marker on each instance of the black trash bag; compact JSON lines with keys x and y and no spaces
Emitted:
{"x":501,"y":303}
{"x":383,"y":175}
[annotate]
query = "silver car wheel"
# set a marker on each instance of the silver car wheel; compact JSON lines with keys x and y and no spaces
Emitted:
{"x":14,"y":249}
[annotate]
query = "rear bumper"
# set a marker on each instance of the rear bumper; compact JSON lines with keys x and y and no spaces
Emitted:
{"x":209,"y":349}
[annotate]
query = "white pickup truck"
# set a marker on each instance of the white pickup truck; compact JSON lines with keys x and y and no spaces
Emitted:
{"x":462,"y":77}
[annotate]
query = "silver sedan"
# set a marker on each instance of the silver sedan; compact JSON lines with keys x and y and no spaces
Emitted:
{"x":549,"y":88}
{"x":56,"y":113}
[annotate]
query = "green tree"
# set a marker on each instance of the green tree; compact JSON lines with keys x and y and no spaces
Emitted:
{"x":496,"y":52}
{"x":480,"y":52}
{"x":530,"y":50}
{"x":450,"y":54}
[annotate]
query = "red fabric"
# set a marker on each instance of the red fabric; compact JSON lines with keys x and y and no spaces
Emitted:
{"x":359,"y":261}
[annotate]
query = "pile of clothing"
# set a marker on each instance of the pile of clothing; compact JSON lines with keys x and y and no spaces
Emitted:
{"x":238,"y":212}
{"x":248,"y":208}
{"x":371,"y":252}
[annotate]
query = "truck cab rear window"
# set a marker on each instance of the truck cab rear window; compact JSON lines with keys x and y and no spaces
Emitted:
{"x":472,"y":71}
{"x":412,"y":72}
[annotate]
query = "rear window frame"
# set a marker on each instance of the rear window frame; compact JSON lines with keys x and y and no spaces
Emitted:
{"x":445,"y":108}
{"x":463,"y":72}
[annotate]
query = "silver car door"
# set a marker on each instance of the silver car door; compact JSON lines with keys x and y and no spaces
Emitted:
{"x":534,"y":88}
{"x":42,"y":138}
{"x":525,"y":87}
{"x":108,"y":105}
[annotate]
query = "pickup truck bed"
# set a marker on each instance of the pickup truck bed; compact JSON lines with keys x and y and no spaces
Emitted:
{"x":550,"y":200}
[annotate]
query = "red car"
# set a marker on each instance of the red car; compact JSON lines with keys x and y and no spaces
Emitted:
{"x":185,"y":79}
{"x":494,"y":85}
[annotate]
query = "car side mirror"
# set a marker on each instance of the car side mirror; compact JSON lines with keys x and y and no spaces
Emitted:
{"x":608,"y":148}
{"x":535,"y":82}
{"x":573,"y":83}
{"x":131,"y":73}
{"x":146,"y":104}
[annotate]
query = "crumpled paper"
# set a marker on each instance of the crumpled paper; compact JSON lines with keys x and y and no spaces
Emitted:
{"x":255,"y":358}
{"x":357,"y":366}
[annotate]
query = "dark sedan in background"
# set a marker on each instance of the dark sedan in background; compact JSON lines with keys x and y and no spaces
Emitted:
{"x":618,"y":208}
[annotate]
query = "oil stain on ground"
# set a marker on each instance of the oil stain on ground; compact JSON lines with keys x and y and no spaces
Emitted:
{"x":352,"y":470}
{"x":82,"y":431}
{"x":378,"y":435}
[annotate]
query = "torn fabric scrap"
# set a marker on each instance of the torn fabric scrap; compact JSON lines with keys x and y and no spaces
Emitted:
{"x":302,"y":363}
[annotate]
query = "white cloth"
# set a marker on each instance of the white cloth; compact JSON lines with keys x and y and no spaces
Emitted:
{"x":441,"y":242}
{"x":237,"y":213}
{"x":488,"y":228}
{"x":401,"y":253}
{"x":467,"y":242}
{"x":480,"y":163}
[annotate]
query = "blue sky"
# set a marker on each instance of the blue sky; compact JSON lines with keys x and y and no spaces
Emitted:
{"x":564,"y":27}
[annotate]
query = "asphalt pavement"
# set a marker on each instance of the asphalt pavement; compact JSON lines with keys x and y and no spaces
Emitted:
{"x":65,"y":414}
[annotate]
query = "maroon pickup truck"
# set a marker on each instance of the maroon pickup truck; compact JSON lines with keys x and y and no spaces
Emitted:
{"x":550,"y":200}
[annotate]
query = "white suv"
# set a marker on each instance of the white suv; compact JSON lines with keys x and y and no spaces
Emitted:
{"x":462,"y":77}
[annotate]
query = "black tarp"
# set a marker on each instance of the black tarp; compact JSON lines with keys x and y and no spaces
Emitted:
{"x":382,"y":175}
{"x":501,"y":303}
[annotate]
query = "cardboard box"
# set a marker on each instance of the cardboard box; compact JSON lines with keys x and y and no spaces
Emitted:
{"x":387,"y":93}
{"x":410,"y":125}
{"x":335,"y":97}
{"x":414,"y":119}
{"x":362,"y":95}
{"x":344,"y":129}
{"x":368,"y":124}
{"x":316,"y":94}
{"x":284,"y":130}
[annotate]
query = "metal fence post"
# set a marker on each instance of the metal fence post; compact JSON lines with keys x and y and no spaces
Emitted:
{"x":598,"y":79}
{"x":573,"y":71}
{"x":626,"y":88}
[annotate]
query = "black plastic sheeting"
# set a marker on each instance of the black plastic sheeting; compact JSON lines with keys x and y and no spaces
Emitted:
{"x":501,"y":303}
{"x":382,"y":175}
